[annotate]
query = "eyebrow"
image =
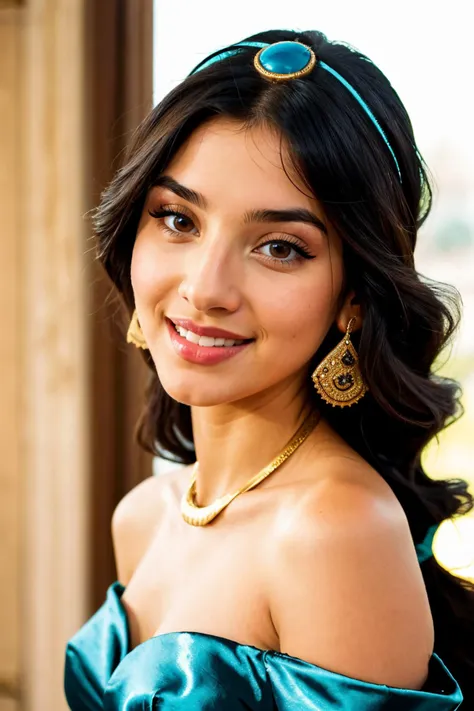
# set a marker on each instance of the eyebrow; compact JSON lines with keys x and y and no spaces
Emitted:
{"x":294,"y":214}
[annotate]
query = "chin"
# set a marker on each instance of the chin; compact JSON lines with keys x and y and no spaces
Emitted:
{"x":187,"y":390}
{"x":195,"y":399}
{"x":199,"y":394}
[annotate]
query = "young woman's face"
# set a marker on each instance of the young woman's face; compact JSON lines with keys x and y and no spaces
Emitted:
{"x":231,"y":256}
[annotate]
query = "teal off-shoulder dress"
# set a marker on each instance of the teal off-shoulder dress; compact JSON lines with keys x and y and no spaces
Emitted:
{"x":193,"y":671}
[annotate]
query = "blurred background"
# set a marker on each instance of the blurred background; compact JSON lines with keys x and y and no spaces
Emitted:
{"x":76,"y":78}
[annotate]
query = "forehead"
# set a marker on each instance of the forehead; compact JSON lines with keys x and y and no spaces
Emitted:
{"x":228,"y":161}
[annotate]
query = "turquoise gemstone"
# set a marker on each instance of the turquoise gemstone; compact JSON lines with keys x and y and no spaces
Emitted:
{"x":285,"y":57}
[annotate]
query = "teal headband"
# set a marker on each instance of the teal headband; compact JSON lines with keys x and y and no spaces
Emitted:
{"x":288,"y":60}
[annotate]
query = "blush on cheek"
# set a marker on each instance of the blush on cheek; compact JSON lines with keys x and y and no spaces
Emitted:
{"x":148,"y":274}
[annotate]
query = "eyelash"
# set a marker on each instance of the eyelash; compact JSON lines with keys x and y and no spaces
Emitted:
{"x":302,"y":251}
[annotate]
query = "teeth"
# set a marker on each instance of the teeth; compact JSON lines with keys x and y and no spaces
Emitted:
{"x":206,"y":340}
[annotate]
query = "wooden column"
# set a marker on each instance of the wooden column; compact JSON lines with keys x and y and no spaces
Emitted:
{"x":54,"y":350}
{"x":11,"y":462}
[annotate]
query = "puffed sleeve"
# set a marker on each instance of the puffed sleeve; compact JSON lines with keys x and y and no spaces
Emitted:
{"x":94,"y":653}
{"x":194,"y":671}
{"x":189,"y":671}
{"x":296,"y":684}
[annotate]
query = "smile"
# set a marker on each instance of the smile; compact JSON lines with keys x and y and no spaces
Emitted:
{"x":203,"y":350}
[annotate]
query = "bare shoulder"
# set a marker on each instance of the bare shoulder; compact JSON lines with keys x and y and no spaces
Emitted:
{"x":135,"y":519}
{"x":345,"y":589}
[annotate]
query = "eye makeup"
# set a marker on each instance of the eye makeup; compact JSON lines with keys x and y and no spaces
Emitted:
{"x":180,"y":212}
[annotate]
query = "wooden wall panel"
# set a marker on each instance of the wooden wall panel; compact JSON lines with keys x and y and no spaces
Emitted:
{"x":119,"y":89}
{"x":8,"y":705}
{"x":75,"y":79}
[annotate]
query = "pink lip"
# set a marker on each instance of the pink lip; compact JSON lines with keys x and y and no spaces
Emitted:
{"x":205,"y":330}
{"x":202,"y":355}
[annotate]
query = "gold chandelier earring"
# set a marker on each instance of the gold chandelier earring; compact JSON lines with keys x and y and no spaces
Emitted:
{"x":135,"y":333}
{"x":338,"y":378}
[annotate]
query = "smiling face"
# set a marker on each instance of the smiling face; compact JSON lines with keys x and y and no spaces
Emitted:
{"x":244,"y":250}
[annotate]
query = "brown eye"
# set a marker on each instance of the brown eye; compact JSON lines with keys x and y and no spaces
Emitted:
{"x":280,"y":250}
{"x":285,"y":252}
{"x":173,"y":221}
{"x":179,"y":223}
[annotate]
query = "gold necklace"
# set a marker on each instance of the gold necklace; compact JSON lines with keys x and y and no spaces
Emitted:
{"x":201,"y":515}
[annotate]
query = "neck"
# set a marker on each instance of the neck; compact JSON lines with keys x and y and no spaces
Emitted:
{"x":233,"y":444}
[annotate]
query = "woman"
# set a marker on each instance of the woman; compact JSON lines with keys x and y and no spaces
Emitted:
{"x":261,"y":233}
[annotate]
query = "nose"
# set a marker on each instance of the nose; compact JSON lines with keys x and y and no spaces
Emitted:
{"x":211,"y":277}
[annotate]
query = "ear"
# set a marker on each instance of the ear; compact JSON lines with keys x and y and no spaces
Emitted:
{"x":350,"y":309}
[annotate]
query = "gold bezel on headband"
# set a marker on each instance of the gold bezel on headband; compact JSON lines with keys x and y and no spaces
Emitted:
{"x":285,"y":77}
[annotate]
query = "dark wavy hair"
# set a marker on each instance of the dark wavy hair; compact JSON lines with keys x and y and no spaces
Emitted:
{"x":408,"y":320}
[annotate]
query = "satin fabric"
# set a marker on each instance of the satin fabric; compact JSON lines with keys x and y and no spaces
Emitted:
{"x":193,"y":671}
